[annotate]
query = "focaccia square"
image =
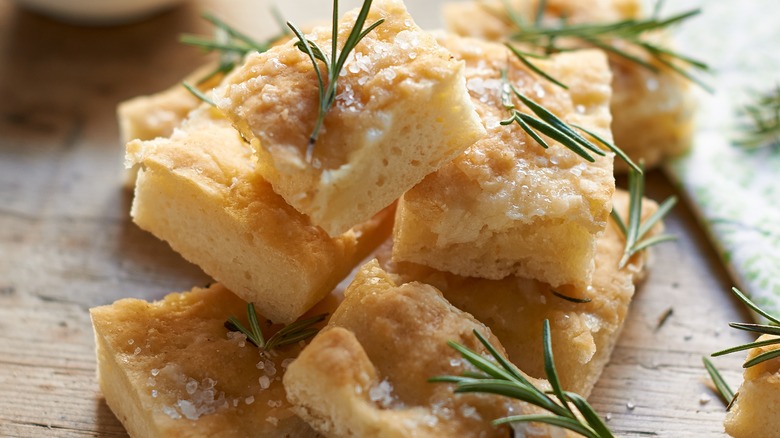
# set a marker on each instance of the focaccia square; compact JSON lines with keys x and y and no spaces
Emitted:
{"x":507,"y":206}
{"x":156,"y":115}
{"x":583,"y":334}
{"x":652,"y":110}
{"x":402,"y":111}
{"x":366,"y":374}
{"x":170,"y":369}
{"x":754,"y":412}
{"x":199,"y":191}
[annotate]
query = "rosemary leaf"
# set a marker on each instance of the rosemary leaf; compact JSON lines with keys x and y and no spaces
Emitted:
{"x":523,"y":57}
{"x":635,"y":230}
{"x":254,"y":325}
{"x":547,"y":124}
{"x":197,"y":93}
{"x":549,"y":366}
{"x":556,"y":134}
{"x":280,"y":21}
{"x":746,"y":347}
{"x":234,"y":325}
{"x":748,"y":302}
{"x":650,"y":241}
{"x":548,"y":117}
{"x":611,"y":146}
{"x":235,"y":33}
{"x":756,"y":328}
{"x":763,"y":357}
{"x":566,"y":423}
{"x":480,"y":362}
{"x":572,"y":299}
{"x":766,"y":329}
{"x":656,"y":217}
{"x":621,"y":38}
{"x":724,"y":391}
{"x":231,"y":44}
{"x":333,"y":67}
{"x":500,"y":377}
{"x":290,"y":334}
{"x":590,"y":415}
{"x":760,"y":121}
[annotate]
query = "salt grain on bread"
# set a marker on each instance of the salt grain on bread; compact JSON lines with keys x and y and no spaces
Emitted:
{"x":402,"y":111}
{"x":507,"y":206}
{"x":199,"y":191}
{"x":170,"y":369}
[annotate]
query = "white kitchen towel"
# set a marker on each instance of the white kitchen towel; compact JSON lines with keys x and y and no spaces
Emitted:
{"x":734,"y":191}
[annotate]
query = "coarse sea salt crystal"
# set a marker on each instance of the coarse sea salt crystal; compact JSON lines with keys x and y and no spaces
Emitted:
{"x":171,"y":412}
{"x":191,"y":386}
{"x":188,"y":409}
{"x":264,"y":381}
{"x":270,"y":368}
{"x":382,"y":393}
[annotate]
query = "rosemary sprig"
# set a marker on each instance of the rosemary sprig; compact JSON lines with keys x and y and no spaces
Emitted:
{"x":547,"y":123}
{"x":231,"y":44}
{"x":197,"y":93}
{"x":327,"y":82}
{"x":290,"y":334}
{"x":610,"y":37}
{"x":498,"y":376}
{"x":523,"y":58}
{"x":724,"y":390}
{"x":636,"y":230}
{"x":571,"y":299}
{"x":761,"y":121}
{"x":773,"y":328}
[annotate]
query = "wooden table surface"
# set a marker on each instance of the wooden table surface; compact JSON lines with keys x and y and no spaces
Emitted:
{"x":67,"y":243}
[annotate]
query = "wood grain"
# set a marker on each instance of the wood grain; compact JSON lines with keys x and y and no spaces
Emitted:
{"x":67,"y":244}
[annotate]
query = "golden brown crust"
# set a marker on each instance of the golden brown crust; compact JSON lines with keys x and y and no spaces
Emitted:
{"x":507,"y":206}
{"x":402,"y":112}
{"x":199,"y":191}
{"x":367,"y":374}
{"x":652,"y":111}
{"x":583,"y":335}
{"x":170,"y":369}
{"x":156,"y":115}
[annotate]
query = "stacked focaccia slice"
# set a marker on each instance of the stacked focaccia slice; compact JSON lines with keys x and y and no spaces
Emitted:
{"x":508,"y":206}
{"x":365,"y":374}
{"x":497,"y":234}
{"x":652,"y":104}
{"x":583,"y":334}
